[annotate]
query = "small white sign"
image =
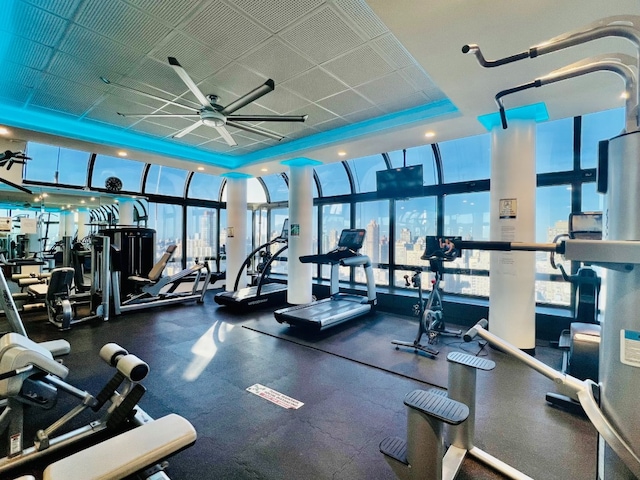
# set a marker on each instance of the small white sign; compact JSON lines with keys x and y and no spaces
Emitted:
{"x":630,"y":347}
{"x":28,"y":225}
{"x":508,"y":208}
{"x":274,"y":397}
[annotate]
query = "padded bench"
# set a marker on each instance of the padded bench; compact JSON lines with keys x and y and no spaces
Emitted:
{"x":126,"y":453}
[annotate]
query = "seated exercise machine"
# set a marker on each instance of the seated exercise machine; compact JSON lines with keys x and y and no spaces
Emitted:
{"x":32,"y":377}
{"x":430,"y":312}
{"x":57,"y":296}
{"x":581,"y":341}
{"x":338,"y":307}
{"x":155,"y":289}
{"x":264,"y":293}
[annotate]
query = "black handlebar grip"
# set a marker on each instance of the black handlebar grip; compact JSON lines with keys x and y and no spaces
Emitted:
{"x":473,"y":331}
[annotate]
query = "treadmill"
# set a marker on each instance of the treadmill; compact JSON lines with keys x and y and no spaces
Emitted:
{"x":264,"y":293}
{"x":338,"y":307}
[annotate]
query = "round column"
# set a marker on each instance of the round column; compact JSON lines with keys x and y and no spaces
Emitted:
{"x":125,"y":213}
{"x":83,"y":220}
{"x":300,"y":275}
{"x":512,"y":219}
{"x":237,"y":240}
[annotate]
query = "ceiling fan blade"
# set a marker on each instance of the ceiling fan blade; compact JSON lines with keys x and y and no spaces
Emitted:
{"x":268,"y":118}
{"x":189,"y":129}
{"x":226,"y":135}
{"x":15,"y":185}
{"x":159,"y":114}
{"x":252,"y":129}
{"x":182,"y":73}
{"x":254,"y":94}
{"x":144,"y":94}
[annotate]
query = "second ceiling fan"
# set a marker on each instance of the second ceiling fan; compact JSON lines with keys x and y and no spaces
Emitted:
{"x":212,"y":114}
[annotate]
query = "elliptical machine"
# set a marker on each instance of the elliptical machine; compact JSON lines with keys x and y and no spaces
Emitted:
{"x":430,"y":312}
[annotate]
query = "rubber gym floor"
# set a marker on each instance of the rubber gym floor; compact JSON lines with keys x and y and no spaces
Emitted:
{"x":352,"y":383}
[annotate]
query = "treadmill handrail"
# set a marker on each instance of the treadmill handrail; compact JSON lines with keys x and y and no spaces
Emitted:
{"x":275,"y":256}
{"x":247,"y":261}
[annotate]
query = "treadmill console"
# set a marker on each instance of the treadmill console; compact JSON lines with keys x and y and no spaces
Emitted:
{"x":441,"y":248}
{"x":351,"y":239}
{"x":284,"y":235}
{"x":585,"y":225}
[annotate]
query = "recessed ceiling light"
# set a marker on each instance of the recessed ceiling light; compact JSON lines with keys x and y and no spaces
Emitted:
{"x":430,"y":134}
{"x":82,"y":201}
{"x":624,"y":95}
{"x":93,"y":199}
{"x":342,"y":153}
{"x":44,"y":195}
{"x":264,"y":169}
{"x":122,"y":153}
{"x":201,"y":168}
{"x":4,"y":131}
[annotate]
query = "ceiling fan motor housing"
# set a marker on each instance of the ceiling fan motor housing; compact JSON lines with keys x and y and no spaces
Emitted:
{"x":213,"y":118}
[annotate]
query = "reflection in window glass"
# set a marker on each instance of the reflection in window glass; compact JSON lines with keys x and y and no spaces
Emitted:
{"x":277,"y":187}
{"x":223,"y":240}
{"x":554,"y":146}
{"x":466,"y":158}
{"x":415,"y":219}
{"x":166,"y":220}
{"x":129,"y":171}
{"x":204,"y":186}
{"x":417,"y":156}
{"x":335,"y":218}
{"x":56,"y":165}
{"x":364,"y":171}
{"x":202,"y":235}
{"x":553,"y":205}
{"x":333,"y":179}
{"x":164,"y":180}
{"x":278,"y":216}
{"x":596,"y":127}
{"x":374,"y":217}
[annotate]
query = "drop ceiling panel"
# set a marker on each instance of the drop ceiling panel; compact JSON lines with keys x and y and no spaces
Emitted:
{"x":122,"y":22}
{"x":345,"y":103}
{"x":358,"y":66}
{"x":43,"y":27}
{"x":277,"y":14}
{"x":393,"y":50}
{"x":236,"y":79}
{"x":225,"y":29}
{"x":16,"y":93}
{"x":20,"y":74}
{"x":160,"y":76}
{"x":29,"y":53}
{"x":276,"y":60}
{"x":358,"y":12}
{"x":63,"y":8}
{"x":387,"y":89}
{"x":323,"y":35}
{"x":282,"y":101}
{"x":77,"y":70}
{"x":363,"y":115}
{"x":316,"y":114}
{"x":418,"y":78}
{"x":170,"y":12}
{"x":411,"y":101}
{"x":315,"y":84}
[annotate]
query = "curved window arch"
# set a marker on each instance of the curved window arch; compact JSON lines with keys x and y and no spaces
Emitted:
{"x":204,"y":186}
{"x":333,"y":179}
{"x":56,"y":165}
{"x":466,"y":158}
{"x":364,"y":171}
{"x":422,"y":155}
{"x":255,"y":191}
{"x":129,"y":171}
{"x":162,"y":180}
{"x":277,"y":187}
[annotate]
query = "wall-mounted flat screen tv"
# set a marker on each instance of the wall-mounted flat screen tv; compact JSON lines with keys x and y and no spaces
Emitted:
{"x":399,"y":182}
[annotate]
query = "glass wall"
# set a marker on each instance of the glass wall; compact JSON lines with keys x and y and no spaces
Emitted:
{"x":166,"y":220}
{"x":128,"y":171}
{"x":56,"y":165}
{"x":374,"y":217}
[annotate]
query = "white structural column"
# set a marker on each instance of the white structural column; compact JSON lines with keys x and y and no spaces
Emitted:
{"x":125,"y":212}
{"x":300,"y":275}
{"x":69,"y":227}
{"x":512,"y":219}
{"x":83,"y":221}
{"x":236,"y":243}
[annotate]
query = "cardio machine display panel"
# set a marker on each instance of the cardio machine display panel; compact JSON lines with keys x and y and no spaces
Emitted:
{"x":585,"y":225}
{"x":352,"y":239}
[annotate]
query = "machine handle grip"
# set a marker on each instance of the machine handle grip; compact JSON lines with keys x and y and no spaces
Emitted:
{"x":473,"y":331}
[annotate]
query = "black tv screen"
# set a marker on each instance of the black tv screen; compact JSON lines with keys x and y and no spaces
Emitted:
{"x":399,"y":182}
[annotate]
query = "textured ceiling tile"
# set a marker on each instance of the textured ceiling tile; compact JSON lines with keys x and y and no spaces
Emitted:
{"x":29,"y":53}
{"x":414,"y":100}
{"x":21,"y":74}
{"x":387,"y":89}
{"x":36,"y":24}
{"x":122,"y":23}
{"x":77,"y":70}
{"x":171,"y":12}
{"x":18,"y":94}
{"x":159,"y":75}
{"x":90,"y":46}
{"x":237,"y":79}
{"x":363,"y":115}
{"x":277,"y":14}
{"x":316,"y":114}
{"x":418,"y":78}
{"x":322,"y":36}
{"x":331,"y":124}
{"x":315,"y":84}
{"x":202,"y":60}
{"x":389,"y":46}
{"x":361,"y":15}
{"x":276,"y":60}
{"x":281,"y":100}
{"x":63,"y":8}
{"x":345,"y":103}
{"x":224,"y":29}
{"x":359,"y":66}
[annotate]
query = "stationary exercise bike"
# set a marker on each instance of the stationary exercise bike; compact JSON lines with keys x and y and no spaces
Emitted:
{"x":430,"y":312}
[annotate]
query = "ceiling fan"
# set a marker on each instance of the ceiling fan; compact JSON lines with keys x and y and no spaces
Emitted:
{"x":8,"y":159}
{"x":211,"y":114}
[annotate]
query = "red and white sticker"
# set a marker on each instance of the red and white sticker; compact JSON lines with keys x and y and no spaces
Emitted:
{"x":274,"y":397}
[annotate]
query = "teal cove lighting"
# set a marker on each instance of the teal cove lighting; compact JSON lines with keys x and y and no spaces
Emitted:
{"x":236,"y":175}
{"x":536,"y":112}
{"x":301,"y":162}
